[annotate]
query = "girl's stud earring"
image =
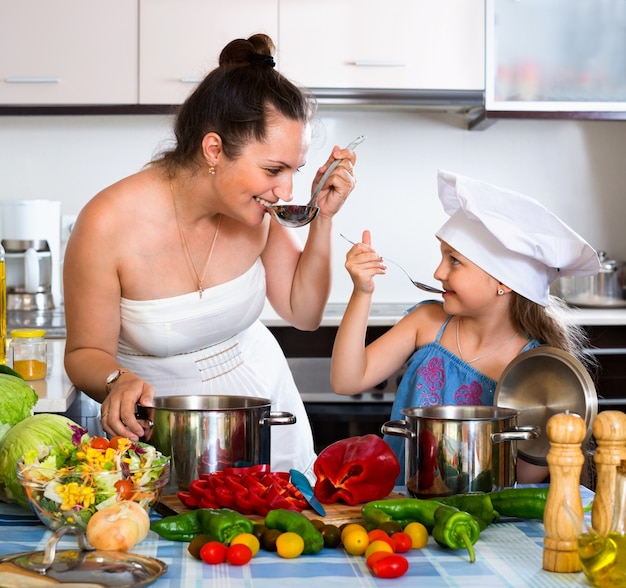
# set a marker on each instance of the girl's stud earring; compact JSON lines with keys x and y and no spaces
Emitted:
{"x":212,"y":170}
{"x":500,"y":291}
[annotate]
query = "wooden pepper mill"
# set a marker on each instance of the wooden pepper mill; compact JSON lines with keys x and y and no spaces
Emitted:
{"x":566,"y":432}
{"x":609,"y":430}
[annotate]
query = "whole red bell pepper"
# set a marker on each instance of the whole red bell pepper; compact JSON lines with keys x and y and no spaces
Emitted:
{"x":355,"y":470}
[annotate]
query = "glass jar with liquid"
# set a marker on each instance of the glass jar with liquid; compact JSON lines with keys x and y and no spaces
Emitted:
{"x":599,"y":555}
{"x":28,"y":352}
{"x":3,"y":307}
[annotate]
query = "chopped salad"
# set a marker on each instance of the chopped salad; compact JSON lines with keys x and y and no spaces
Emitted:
{"x":67,"y":484}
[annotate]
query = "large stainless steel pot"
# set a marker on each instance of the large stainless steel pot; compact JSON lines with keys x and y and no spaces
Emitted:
{"x":204,"y":434}
{"x":455,"y":449}
{"x":606,"y":288}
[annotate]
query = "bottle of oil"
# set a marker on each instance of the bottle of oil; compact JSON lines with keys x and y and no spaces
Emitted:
{"x":600,"y":556}
{"x":3,"y":307}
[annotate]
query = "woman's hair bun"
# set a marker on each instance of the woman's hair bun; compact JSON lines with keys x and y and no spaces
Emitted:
{"x":257,"y":49}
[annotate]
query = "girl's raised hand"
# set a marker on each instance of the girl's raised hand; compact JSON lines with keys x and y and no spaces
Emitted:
{"x":363,"y":263}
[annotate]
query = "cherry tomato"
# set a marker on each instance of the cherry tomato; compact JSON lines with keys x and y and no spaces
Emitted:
{"x":376,"y":556}
{"x":392,"y":566}
{"x":125,"y":489}
{"x":213,"y":552}
{"x":100,"y":443}
{"x":403,"y":541}
{"x":114,"y":442}
{"x":238,"y":554}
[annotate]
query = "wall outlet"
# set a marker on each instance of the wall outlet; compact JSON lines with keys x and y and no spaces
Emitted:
{"x":67,"y":224}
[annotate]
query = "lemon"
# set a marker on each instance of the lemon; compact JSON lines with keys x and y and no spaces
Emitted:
{"x":289,"y":545}
{"x":248,"y":539}
{"x":418,"y":534}
{"x":355,"y":541}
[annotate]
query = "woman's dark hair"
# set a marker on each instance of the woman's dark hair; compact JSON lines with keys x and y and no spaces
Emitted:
{"x":235,"y":100}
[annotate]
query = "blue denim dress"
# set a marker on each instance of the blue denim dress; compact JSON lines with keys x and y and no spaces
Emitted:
{"x":436,"y":376}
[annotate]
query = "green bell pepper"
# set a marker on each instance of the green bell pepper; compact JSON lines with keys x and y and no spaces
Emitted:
{"x":294,"y":521}
{"x":181,"y":527}
{"x":456,"y":529}
{"x":223,"y":523}
{"x":400,"y":510}
{"x":520,"y":503}
{"x":478,"y":504}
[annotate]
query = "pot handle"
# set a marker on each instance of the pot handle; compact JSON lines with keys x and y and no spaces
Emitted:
{"x":517,"y":434}
{"x":398,"y":428}
{"x":279,"y":418}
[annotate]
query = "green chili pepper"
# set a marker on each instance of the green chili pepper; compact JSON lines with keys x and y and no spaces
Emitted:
{"x":520,"y":503}
{"x":401,"y":510}
{"x":456,"y":529}
{"x":291,"y":520}
{"x":478,"y":504}
{"x":223,"y":523}
{"x":180,"y":527}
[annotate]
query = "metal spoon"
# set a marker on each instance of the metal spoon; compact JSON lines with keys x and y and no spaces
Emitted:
{"x":419,"y":285}
{"x":298,"y":215}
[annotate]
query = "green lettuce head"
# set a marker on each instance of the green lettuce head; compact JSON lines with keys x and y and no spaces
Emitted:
{"x":17,"y":400}
{"x":40,"y":430}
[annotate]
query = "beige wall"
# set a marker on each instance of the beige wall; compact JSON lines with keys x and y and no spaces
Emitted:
{"x":577,"y":169}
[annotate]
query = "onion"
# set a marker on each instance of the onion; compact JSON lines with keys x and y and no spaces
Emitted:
{"x":118,"y":527}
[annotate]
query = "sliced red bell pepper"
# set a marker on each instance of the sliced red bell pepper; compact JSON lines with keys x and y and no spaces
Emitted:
{"x":355,"y":470}
{"x":188,"y":499}
{"x":249,"y":490}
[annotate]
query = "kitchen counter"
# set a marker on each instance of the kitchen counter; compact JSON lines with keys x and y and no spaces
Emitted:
{"x":508,"y":554}
{"x":387,"y":314}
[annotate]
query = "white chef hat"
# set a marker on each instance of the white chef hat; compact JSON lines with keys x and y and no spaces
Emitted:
{"x":512,"y":237}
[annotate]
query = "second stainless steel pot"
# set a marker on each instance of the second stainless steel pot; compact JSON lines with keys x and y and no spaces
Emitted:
{"x":607,"y":288}
{"x":204,"y":434}
{"x":456,"y":449}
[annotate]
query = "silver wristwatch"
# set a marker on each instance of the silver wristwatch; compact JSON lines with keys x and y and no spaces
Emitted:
{"x":112,"y":378}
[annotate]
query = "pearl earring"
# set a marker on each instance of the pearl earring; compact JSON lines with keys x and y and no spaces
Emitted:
{"x":500,"y":291}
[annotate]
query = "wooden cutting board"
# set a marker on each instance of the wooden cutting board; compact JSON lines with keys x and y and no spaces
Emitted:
{"x":336,"y":514}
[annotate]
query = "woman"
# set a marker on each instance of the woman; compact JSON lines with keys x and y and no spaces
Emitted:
{"x":166,"y":271}
{"x":499,"y":253}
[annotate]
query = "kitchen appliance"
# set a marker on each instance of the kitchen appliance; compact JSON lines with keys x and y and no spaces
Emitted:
{"x":607,"y":288}
{"x":456,"y":449}
{"x":204,"y":434}
{"x":31,"y":236}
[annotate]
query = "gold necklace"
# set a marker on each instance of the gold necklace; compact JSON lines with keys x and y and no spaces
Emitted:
{"x":199,"y":277}
{"x":458,"y":345}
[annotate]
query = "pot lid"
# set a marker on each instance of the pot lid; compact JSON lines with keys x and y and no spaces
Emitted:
{"x":542,"y":382}
{"x":84,"y":567}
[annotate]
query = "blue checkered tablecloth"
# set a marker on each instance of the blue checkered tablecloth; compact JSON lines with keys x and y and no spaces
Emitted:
{"x":508,"y":554}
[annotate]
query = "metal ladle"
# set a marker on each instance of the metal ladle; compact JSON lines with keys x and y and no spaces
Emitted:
{"x":419,"y":285}
{"x":299,"y":215}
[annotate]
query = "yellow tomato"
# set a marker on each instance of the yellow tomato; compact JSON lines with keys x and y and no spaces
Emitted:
{"x":350,"y":527}
{"x":355,"y":542}
{"x":378,"y":545}
{"x":289,"y":545}
{"x":418,"y":534}
{"x":248,"y":539}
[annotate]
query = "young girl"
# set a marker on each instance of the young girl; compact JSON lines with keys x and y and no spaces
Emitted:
{"x":500,"y":251}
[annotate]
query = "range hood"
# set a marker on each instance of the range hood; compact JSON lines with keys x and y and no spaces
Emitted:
{"x":455,"y":100}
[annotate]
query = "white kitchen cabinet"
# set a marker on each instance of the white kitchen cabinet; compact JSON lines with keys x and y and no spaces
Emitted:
{"x":180,"y":41}
{"x":421,"y":44}
{"x":551,"y":56}
{"x":68,"y":52}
